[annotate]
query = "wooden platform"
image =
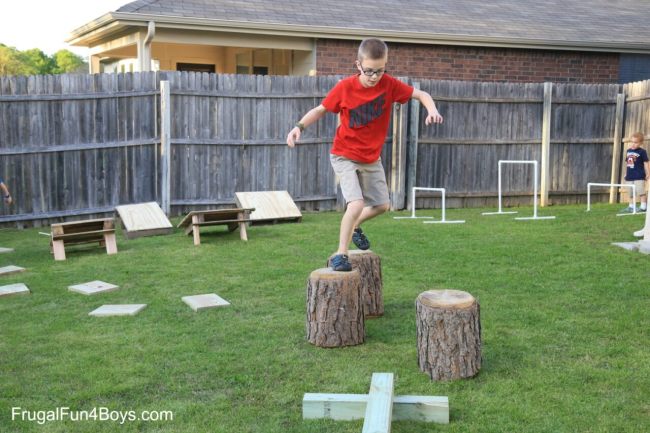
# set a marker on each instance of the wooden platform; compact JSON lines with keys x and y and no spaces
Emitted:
{"x":233,"y":218}
{"x":378,"y":408}
{"x":270,"y":206}
{"x":11,"y":269}
{"x":143,"y":219}
{"x":77,"y":232}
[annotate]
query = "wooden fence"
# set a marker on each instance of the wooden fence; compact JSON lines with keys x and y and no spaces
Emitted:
{"x":488,"y":122}
{"x":78,"y":145}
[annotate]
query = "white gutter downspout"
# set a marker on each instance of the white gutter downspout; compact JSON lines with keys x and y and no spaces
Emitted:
{"x":144,"y":48}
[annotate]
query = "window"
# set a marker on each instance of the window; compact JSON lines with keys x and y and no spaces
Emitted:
{"x":195,"y":67}
{"x":634,"y":67}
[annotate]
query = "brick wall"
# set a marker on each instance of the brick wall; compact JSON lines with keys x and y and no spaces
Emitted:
{"x":475,"y":64}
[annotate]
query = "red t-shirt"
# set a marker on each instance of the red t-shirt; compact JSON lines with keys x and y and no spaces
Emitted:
{"x":365,"y":115}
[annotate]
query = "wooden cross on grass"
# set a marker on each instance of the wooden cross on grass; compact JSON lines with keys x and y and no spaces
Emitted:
{"x":378,"y":408}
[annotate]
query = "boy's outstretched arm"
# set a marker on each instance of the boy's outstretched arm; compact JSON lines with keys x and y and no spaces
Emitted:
{"x":425,"y":99}
{"x":312,"y":116}
{"x":6,"y":195}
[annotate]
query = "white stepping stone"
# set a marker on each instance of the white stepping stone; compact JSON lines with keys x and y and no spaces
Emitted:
{"x":201,"y":302}
{"x":14,"y":289}
{"x":630,"y":246}
{"x":11,"y":269}
{"x":117,"y":310}
{"x":5,"y":250}
{"x":93,"y":287}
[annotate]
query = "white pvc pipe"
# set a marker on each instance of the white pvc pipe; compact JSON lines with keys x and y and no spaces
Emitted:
{"x":441,"y":190}
{"x":535,"y":181}
{"x":620,"y":185}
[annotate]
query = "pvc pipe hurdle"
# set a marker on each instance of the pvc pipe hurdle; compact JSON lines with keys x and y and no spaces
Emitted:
{"x":535,"y":181}
{"x":623,"y":185}
{"x":442,"y":221}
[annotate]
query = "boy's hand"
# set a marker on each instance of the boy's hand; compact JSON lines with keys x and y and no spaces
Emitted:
{"x":8,"y":199}
{"x":294,"y":135}
{"x":433,"y":117}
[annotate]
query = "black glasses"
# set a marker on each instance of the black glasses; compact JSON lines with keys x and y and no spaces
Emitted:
{"x":370,"y":72}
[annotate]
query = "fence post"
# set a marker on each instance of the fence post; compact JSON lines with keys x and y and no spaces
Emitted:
{"x":616,"y":146}
{"x":412,"y":153}
{"x":546,"y":144}
{"x":165,"y":146}
{"x":398,"y":158}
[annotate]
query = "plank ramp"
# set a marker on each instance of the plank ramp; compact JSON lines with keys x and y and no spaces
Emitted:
{"x":143,"y":219}
{"x":379,"y":410}
{"x":270,"y":206}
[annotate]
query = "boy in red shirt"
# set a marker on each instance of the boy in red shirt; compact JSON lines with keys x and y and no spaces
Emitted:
{"x":364,"y":101}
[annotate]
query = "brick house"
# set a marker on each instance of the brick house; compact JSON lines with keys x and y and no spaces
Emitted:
{"x":587,"y":41}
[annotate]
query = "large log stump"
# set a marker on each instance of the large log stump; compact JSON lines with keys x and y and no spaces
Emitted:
{"x":449,"y":334}
{"x":369,"y":266}
{"x":334,"y":308}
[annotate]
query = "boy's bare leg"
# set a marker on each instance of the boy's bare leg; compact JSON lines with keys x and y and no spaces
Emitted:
{"x":355,"y":214}
{"x":370,"y":212}
{"x":350,"y":217}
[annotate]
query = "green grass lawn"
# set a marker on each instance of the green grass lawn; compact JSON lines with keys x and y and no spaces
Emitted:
{"x":565,"y":324}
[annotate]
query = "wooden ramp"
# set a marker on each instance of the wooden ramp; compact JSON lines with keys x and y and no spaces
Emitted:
{"x":143,"y":219}
{"x":100,"y":230}
{"x":233,"y":218}
{"x":270,"y":206}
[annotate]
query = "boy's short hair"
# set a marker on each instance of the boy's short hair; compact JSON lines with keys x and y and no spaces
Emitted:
{"x":373,"y":49}
{"x":639,"y":136}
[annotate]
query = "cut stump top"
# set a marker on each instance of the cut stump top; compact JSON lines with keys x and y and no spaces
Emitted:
{"x":452,"y":299}
{"x":330,"y":274}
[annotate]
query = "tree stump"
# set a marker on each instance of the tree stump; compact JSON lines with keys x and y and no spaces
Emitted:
{"x":369,"y":266}
{"x":449,"y":334}
{"x":334,"y":308}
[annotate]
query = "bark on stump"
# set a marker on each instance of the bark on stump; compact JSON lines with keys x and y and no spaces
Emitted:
{"x":334,"y":308}
{"x":369,"y":266}
{"x":449,"y":334}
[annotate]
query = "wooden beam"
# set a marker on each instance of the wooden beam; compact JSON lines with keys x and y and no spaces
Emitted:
{"x":412,"y":150}
{"x":165,"y":146}
{"x":546,"y":145}
{"x":349,"y":407}
{"x":379,"y":410}
{"x":619,"y":122}
{"x":398,"y":157}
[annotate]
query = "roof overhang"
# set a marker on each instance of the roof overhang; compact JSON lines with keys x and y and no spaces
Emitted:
{"x":114,"y":23}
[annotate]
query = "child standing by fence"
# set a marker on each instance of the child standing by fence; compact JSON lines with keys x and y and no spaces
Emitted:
{"x":364,"y":102}
{"x":637,"y":171}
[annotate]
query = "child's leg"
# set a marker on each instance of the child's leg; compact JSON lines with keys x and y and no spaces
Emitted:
{"x":371,"y":212}
{"x":375,"y":191}
{"x":352,"y":212}
{"x":643,"y":196}
{"x":631,"y":202}
{"x":346,"y":171}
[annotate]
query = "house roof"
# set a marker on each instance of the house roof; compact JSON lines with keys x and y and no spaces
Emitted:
{"x":594,"y":25}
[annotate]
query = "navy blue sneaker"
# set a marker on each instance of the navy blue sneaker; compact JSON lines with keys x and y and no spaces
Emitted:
{"x":360,"y":240}
{"x":341,"y":263}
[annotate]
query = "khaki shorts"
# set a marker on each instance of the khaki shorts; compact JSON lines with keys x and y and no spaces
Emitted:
{"x":361,"y":181}
{"x":639,"y":186}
